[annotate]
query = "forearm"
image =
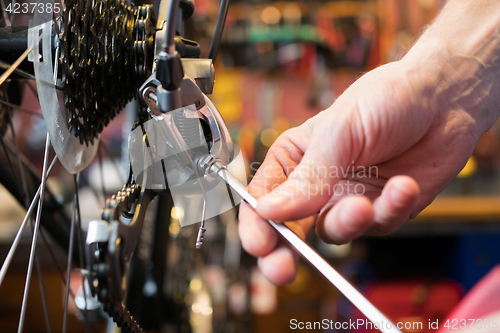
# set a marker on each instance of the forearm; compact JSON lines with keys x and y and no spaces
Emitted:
{"x":462,"y":48}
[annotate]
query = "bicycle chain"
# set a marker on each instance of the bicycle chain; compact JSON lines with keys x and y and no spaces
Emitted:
{"x":104,"y":59}
{"x":102,"y":279}
{"x":120,"y":202}
{"x":121,"y":316}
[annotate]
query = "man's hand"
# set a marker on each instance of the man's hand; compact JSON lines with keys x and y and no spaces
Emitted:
{"x":397,"y":136}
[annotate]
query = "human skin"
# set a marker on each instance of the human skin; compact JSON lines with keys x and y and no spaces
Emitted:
{"x":416,"y":120}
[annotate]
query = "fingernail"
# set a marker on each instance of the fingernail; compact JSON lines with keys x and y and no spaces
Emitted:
{"x":272,"y":201}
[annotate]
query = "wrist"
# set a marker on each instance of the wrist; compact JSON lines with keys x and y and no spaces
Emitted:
{"x":462,"y":28}
{"x":462,"y":51}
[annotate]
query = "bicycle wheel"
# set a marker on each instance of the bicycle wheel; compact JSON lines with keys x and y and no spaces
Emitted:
{"x":77,"y":57}
{"x":57,"y":50}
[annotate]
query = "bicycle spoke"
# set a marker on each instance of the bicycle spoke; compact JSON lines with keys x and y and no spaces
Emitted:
{"x":70,"y":256}
{"x":18,"y":108}
{"x":42,"y":291}
{"x":26,"y":199}
{"x":8,"y":159}
{"x":91,"y":187}
{"x":58,"y":267}
{"x":18,"y":158}
{"x":42,"y":285}
{"x":33,"y":90}
{"x":16,"y":64}
{"x":5,"y":16}
{"x":76,"y":180}
{"x":15,"y":243}
{"x":13,"y":13}
{"x":35,"y":236}
{"x":113,"y":160}
{"x":18,"y":71}
{"x":101,"y":171}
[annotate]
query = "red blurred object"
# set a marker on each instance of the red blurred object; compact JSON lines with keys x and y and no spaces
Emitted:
{"x":417,"y":303}
{"x":482,"y":300}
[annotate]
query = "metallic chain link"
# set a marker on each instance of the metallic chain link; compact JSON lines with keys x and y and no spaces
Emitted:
{"x":122,"y":318}
{"x":115,"y":206}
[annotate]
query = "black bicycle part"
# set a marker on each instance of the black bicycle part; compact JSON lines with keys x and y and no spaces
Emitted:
{"x":219,"y":28}
{"x":13,"y":43}
{"x":187,"y":8}
{"x":106,"y":53}
{"x":187,"y":48}
{"x":147,"y":268}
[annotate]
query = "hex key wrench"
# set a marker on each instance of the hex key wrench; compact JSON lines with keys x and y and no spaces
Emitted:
{"x":357,"y":299}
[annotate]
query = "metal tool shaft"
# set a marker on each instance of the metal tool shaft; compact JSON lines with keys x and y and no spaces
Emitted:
{"x":368,"y":309}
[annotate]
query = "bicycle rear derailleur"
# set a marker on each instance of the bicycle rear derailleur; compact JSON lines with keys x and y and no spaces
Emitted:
{"x":112,"y":240}
{"x":110,"y":244}
{"x":165,"y":150}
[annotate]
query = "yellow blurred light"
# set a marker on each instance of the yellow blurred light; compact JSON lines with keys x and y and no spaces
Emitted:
{"x":246,"y":137}
{"x":270,"y":15}
{"x":469,"y":169}
{"x":174,"y":228}
{"x":302,"y":282}
{"x":268,"y":136}
{"x":195,"y":284}
{"x":177,"y":213}
{"x":427,"y":4}
{"x":226,"y":95}
{"x":281,"y":124}
{"x":292,"y":13}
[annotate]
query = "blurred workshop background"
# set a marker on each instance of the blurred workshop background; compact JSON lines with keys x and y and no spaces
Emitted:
{"x":280,"y":63}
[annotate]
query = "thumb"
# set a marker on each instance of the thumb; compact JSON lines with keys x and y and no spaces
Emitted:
{"x":308,"y":187}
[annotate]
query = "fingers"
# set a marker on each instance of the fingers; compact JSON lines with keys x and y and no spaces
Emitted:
{"x":279,"y":266}
{"x":334,"y":143}
{"x":306,"y":190}
{"x":281,"y":159}
{"x":277,"y":260}
{"x":394,"y":205}
{"x":353,"y":216}
{"x":349,"y":218}
{"x":257,"y":236}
